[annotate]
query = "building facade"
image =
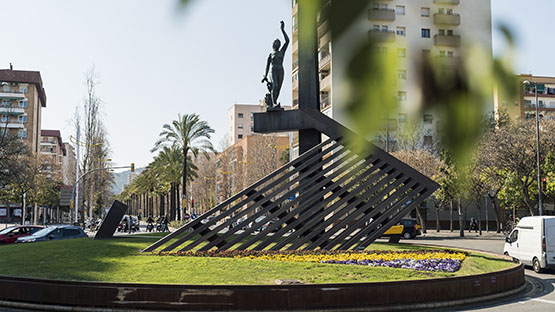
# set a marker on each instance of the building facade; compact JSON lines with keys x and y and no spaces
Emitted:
{"x":248,"y":160}
{"x":415,"y":29}
{"x":22,"y":98}
{"x":523,"y":105}
{"x":241,"y":121}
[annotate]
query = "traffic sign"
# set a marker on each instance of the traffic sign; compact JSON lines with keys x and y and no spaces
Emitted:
{"x":186,"y":216}
{"x":193,"y":216}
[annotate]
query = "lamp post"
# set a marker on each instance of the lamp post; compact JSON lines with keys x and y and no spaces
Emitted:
{"x":540,"y":206}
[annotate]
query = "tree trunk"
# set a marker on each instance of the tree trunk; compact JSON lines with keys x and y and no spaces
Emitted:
{"x":461,"y":225}
{"x":172,"y":201}
{"x":422,"y":221}
{"x":496,"y":211}
{"x":178,"y":204}
{"x":451,"y":215}
{"x":480,"y":218}
{"x":184,"y":190}
{"x":438,"y":228}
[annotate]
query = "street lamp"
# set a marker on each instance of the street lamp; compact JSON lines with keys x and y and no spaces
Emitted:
{"x":540,"y":206}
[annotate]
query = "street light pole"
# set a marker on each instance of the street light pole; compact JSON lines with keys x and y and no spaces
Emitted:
{"x":540,"y":205}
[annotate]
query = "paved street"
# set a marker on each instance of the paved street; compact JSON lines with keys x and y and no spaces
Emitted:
{"x":539,"y":295}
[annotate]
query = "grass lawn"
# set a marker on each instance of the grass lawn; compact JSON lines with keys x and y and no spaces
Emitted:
{"x":119,"y":260}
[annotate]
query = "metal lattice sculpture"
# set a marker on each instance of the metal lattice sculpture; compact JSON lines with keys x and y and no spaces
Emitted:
{"x":327,"y":198}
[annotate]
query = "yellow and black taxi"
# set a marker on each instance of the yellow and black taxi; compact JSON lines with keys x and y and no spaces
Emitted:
{"x":406,"y":228}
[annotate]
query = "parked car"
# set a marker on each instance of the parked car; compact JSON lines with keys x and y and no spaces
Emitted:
{"x":55,"y":232}
{"x":406,"y":228}
{"x":411,"y":229}
{"x":532,"y":242}
{"x":11,"y":234}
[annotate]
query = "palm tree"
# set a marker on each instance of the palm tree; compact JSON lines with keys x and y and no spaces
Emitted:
{"x":189,"y":134}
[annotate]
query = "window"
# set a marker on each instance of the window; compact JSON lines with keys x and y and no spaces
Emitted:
{"x":5,"y":118}
{"x":402,"y":74}
{"x":449,"y":11}
{"x":425,"y":53}
{"x":441,"y":32}
{"x":441,"y":11}
{"x":71,"y":232}
{"x":376,"y":6}
{"x":514,"y":236}
{"x":240,"y":127}
{"x":402,"y":95}
{"x":425,"y":33}
{"x":22,"y":118}
{"x":401,"y":31}
{"x":22,"y":133}
{"x":6,"y":103}
{"x":385,"y":28}
{"x":449,"y":32}
{"x":425,"y":12}
{"x":376,"y":27}
{"x":239,"y":136}
{"x":442,"y":53}
{"x":450,"y":53}
{"x":23,"y":103}
{"x":402,"y":118}
{"x":400,"y":10}
{"x":240,"y":115}
{"x":428,"y":118}
{"x":402,"y":52}
{"x":23,"y":89}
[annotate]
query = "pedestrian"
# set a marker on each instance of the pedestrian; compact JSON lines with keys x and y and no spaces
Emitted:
{"x":473,"y":224}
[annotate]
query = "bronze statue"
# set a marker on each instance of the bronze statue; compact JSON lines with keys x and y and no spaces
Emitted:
{"x":275,"y":59}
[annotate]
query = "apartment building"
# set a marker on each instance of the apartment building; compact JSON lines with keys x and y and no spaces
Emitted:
{"x":523,"y":106}
{"x":415,"y":29}
{"x":248,"y":160}
{"x":241,"y":121}
{"x":68,"y":164}
{"x":22,"y":98}
{"x":52,"y":149}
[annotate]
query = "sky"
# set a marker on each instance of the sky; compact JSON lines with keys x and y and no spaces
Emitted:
{"x":155,"y":60}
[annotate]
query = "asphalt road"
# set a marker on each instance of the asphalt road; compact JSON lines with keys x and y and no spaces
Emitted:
{"x":539,"y":294}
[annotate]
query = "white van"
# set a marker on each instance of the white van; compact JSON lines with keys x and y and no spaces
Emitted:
{"x":532,"y":242}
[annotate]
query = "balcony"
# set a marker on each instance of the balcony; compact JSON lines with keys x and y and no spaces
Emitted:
{"x":11,"y":125}
{"x":325,"y":83}
{"x":447,"y":19}
{"x":448,"y":41}
{"x":381,"y":15}
{"x":324,"y":59}
{"x":12,"y":95}
{"x":445,"y":62}
{"x":325,"y":102}
{"x":295,"y":84}
{"x":382,"y":36}
{"x":451,"y":2}
{"x":12,"y":110}
{"x":323,"y":27}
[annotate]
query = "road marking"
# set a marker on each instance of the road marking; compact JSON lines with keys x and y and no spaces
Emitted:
{"x":544,"y":301}
{"x":537,"y":299}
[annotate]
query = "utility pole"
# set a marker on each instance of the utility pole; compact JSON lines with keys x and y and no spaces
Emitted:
{"x":76,"y":199}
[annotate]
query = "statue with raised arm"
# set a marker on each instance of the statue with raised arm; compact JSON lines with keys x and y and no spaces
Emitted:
{"x":274,"y":66}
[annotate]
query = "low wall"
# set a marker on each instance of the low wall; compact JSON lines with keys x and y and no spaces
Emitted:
{"x":260,"y":297}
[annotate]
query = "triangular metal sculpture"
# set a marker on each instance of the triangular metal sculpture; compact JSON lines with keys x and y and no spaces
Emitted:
{"x":327,"y":198}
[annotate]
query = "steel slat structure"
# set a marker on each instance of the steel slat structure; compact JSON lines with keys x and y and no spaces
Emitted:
{"x":342,"y":200}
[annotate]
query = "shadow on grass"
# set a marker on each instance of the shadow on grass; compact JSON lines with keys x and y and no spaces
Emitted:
{"x":75,"y":259}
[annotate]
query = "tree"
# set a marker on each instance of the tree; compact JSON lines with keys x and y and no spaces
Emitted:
{"x":190,"y":135}
{"x":12,"y":150}
{"x":427,"y":164}
{"x":513,"y":148}
{"x":95,"y":144}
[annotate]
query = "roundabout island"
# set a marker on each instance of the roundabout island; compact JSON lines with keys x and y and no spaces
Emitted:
{"x":101,"y":275}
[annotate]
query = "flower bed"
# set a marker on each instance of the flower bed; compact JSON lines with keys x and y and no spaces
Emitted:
{"x":426,"y":260}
